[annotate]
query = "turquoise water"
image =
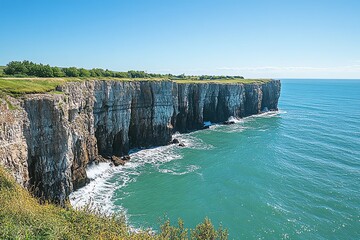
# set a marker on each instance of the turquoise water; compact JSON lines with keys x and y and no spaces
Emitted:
{"x":294,"y":174}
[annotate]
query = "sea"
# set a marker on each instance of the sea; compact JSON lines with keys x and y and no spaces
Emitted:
{"x":290,"y":174}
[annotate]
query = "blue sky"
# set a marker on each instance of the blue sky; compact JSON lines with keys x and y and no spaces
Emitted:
{"x":254,"y":38}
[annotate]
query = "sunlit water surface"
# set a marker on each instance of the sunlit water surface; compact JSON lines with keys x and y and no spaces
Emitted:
{"x":294,"y":174}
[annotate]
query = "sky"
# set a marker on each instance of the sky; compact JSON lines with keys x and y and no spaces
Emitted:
{"x":252,"y":38}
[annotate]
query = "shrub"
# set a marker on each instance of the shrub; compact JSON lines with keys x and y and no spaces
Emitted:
{"x":206,"y":231}
{"x":57,"y":72}
{"x":84,"y":73}
{"x":71,"y":72}
{"x":15,"y":67}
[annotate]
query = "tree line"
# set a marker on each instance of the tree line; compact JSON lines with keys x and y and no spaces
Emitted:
{"x":29,"y":69}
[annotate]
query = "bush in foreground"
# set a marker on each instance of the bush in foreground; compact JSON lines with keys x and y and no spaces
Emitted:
{"x":22,"y":217}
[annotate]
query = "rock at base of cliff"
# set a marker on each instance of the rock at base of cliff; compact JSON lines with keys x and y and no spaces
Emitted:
{"x":229,"y":122}
{"x":125,"y":158}
{"x":174,"y":141}
{"x":98,"y":159}
{"x":117,"y":161}
{"x":120,"y":160}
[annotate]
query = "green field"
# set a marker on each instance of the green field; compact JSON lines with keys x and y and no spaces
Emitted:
{"x":20,"y":86}
{"x":26,"y":86}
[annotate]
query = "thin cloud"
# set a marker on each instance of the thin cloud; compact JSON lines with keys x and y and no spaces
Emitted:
{"x":350,"y":68}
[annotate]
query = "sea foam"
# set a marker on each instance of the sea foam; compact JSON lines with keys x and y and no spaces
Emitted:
{"x":100,"y":191}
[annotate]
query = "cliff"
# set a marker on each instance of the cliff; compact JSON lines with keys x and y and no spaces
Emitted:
{"x":47,"y":140}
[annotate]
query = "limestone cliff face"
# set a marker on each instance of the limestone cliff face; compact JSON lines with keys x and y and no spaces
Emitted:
{"x":197,"y":103}
{"x":49,"y":139}
{"x":131,"y":115}
{"x":60,"y":139}
{"x":13,"y":147}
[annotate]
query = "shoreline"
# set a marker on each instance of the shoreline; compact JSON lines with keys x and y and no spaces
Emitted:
{"x":99,"y":191}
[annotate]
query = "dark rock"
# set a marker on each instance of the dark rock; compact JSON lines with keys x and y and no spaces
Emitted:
{"x":125,"y":158}
{"x":206,"y":127}
{"x":229,"y":122}
{"x":117,"y":161}
{"x":181,"y":145}
{"x":99,"y":159}
{"x":175,"y":141}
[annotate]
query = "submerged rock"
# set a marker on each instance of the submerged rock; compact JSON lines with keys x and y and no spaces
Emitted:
{"x":229,"y":122}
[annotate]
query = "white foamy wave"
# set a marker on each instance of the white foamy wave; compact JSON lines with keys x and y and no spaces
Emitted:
{"x":268,"y":114}
{"x":94,"y":170}
{"x":190,"y":141}
{"x":155,"y":155}
{"x":238,"y":126}
{"x":235,"y":119}
{"x":105,"y":180}
{"x":240,"y":123}
{"x":174,"y":171}
{"x":97,"y":194}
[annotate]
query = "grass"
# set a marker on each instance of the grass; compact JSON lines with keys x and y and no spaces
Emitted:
{"x":20,"y":86}
{"x":22,"y":217}
{"x":5,"y":97}
{"x":26,"y":86}
{"x":2,"y":70}
{"x":226,"y":81}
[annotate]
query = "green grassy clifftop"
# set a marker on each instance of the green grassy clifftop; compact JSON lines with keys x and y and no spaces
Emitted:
{"x":22,"y":77}
{"x":20,"y":86}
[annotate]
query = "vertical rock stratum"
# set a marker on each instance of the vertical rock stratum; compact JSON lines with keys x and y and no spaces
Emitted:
{"x":47,"y":140}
